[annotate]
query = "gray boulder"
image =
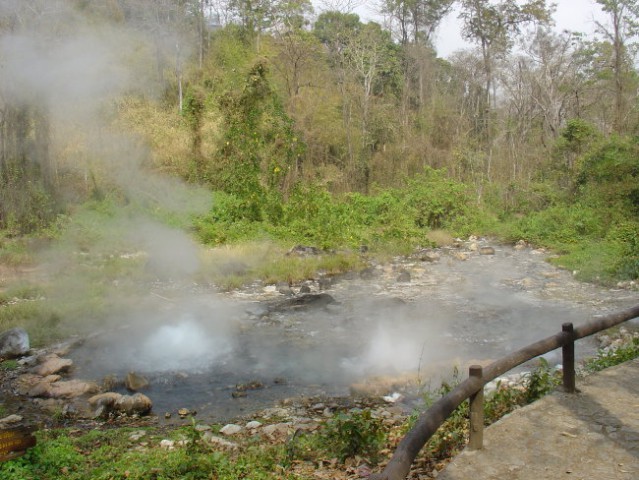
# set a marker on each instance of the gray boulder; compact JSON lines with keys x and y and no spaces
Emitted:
{"x":14,"y":343}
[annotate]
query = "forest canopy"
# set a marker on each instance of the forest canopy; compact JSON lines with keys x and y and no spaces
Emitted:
{"x":306,"y":123}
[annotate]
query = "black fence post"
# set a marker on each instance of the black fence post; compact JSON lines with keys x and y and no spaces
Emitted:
{"x":568,"y":360}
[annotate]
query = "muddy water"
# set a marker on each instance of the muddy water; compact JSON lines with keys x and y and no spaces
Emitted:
{"x":228,"y":355}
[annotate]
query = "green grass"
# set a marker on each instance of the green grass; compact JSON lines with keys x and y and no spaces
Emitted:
{"x":613,"y":356}
{"x":112,"y":454}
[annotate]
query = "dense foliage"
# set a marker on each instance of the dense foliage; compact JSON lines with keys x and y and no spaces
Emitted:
{"x":316,"y":127}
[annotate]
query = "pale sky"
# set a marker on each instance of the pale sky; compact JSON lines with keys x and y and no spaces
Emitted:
{"x":573,"y":15}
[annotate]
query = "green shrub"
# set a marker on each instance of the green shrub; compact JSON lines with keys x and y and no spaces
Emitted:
{"x":612,"y":357}
{"x":354,"y":433}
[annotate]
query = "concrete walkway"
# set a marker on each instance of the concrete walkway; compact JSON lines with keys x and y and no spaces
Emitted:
{"x":592,"y":435}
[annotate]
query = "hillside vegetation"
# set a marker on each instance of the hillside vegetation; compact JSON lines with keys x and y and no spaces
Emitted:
{"x":313,"y":127}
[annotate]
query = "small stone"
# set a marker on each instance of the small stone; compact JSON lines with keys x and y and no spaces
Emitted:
{"x":134,"y":404}
{"x":167,"y":444}
{"x":218,"y":441}
{"x":253,"y":425}
{"x":277,"y":430}
{"x":10,"y":420}
{"x":487,"y":251}
{"x":52,"y":364}
{"x":135,"y":436}
{"x":107,"y":399}
{"x":14,"y":343}
{"x":284,"y":288}
{"x":230,"y":429}
{"x":404,"y":277}
{"x":135,"y":382}
{"x":167,"y":415}
{"x":429,"y":256}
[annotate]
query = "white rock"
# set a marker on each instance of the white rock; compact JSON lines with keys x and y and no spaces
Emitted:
{"x":393,"y":397}
{"x":167,"y":444}
{"x":277,"y":430}
{"x":253,"y":425}
{"x":219,"y":441}
{"x":135,"y":436}
{"x":231,"y":429}
{"x":14,"y":342}
{"x":11,"y":419}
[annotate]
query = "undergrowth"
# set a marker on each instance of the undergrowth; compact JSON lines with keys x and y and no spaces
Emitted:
{"x":614,"y":356}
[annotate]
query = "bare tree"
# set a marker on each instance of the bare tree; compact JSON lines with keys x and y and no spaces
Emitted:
{"x":622,"y":28}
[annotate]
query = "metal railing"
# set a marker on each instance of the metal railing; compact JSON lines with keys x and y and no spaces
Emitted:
{"x":473,"y":389}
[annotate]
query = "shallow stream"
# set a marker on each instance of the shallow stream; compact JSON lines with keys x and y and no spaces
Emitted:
{"x":226,"y":355}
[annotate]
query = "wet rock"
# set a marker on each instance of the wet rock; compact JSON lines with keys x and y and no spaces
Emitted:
{"x":277,"y":431}
{"x":14,"y":343}
{"x":460,"y":256}
{"x":367,"y":273}
{"x":51,"y":364}
{"x":10,"y":421}
{"x":521,"y":245}
{"x":71,"y":389}
{"x":324,"y":283}
{"x":284,"y":288}
{"x":231,"y":429}
{"x":219,"y":441}
{"x":185,"y":412}
{"x":29,"y":361}
{"x":135,"y":436}
{"x":25,"y":382}
{"x":107,"y":399}
{"x":305,"y":289}
{"x":303,"y":251}
{"x":257,"y":310}
{"x":429,"y":256}
{"x":135,"y":382}
{"x":137,"y":403}
{"x":404,"y":277}
{"x":108,"y":402}
{"x":167,"y":444}
{"x":40,"y":389}
{"x":487,"y":251}
{"x":110,"y":382}
{"x":308,"y":300}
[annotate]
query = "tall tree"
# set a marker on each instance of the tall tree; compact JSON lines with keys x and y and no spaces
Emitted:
{"x":416,"y":20}
{"x":335,"y":30}
{"x":492,"y":25}
{"x":622,"y":28}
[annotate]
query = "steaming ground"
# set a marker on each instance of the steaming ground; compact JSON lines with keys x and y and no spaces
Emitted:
{"x":198,"y":348}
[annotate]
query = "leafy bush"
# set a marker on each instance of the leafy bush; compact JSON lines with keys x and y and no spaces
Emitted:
{"x":612,"y":357}
{"x":560,"y":226}
{"x":625,"y":237}
{"x":539,"y":382}
{"x":354,"y":433}
{"x":610,"y":174}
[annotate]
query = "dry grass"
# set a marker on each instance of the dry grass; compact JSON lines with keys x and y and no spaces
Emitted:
{"x":440,"y":238}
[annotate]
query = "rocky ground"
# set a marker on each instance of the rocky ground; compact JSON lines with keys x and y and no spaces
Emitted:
{"x":489,"y":284}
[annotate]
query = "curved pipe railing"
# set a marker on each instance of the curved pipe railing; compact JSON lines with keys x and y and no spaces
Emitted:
{"x":472,"y":388}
